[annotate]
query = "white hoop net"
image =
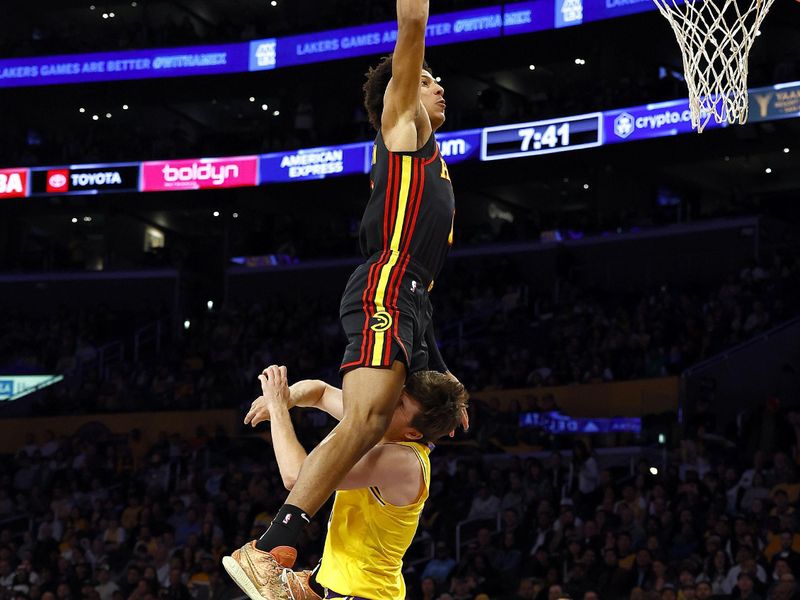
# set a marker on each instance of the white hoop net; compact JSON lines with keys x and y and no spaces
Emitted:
{"x":715,"y":37}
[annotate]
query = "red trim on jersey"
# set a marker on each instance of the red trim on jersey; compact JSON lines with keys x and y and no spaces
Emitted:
{"x":387,"y":203}
{"x":396,"y":313}
{"x":435,"y":154}
{"x":415,"y":196}
{"x":413,"y":220}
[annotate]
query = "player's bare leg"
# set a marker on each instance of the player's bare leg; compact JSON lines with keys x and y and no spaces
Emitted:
{"x":370,"y":397}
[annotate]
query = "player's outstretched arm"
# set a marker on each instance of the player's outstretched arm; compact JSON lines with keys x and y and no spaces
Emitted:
{"x":402,"y":106}
{"x":317,"y":394}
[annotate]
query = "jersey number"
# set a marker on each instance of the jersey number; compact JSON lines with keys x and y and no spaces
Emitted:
{"x":445,"y":172}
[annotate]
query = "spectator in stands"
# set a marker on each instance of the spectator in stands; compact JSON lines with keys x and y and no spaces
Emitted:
{"x":585,"y":477}
{"x":485,"y":505}
{"x":439,"y":568}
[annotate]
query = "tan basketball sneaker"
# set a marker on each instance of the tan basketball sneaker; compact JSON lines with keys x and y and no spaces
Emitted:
{"x":297,"y":586}
{"x":258,"y":573}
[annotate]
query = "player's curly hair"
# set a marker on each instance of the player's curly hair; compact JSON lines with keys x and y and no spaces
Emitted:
{"x":442,"y":399}
{"x":375,"y":87}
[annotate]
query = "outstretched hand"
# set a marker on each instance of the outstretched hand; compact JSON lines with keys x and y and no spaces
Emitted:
{"x":275,"y":395}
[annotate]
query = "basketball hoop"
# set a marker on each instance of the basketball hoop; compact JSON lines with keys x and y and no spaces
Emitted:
{"x":715,"y":37}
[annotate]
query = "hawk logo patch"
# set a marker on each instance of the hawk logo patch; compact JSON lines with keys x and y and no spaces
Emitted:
{"x":380,"y":321}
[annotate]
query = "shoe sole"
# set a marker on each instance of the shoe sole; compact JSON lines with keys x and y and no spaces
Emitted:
{"x":240,"y":578}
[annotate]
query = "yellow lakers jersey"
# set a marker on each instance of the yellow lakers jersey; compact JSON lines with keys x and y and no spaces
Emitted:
{"x":367,"y":538}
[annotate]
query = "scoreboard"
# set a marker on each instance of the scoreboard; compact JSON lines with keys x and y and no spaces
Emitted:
{"x":542,"y":137}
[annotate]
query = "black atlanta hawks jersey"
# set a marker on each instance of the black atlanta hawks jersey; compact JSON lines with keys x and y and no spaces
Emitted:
{"x":410,"y":214}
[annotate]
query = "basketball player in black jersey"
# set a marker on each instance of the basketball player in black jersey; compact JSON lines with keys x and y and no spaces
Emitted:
{"x":406,"y":233}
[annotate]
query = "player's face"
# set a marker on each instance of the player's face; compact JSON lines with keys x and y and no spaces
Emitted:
{"x":432,"y":97}
{"x":400,"y":427}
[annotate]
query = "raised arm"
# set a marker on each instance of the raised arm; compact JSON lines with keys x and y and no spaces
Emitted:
{"x":310,"y":393}
{"x":403,"y":114}
{"x":289,"y":453}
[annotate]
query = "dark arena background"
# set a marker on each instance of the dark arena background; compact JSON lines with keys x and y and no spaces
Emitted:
{"x":622,"y":300}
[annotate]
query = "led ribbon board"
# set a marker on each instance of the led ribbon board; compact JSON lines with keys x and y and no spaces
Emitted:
{"x":275,"y":53}
{"x":781,"y":101}
{"x":131,"y":64}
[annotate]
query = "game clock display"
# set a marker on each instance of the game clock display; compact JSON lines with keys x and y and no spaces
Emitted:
{"x":541,"y":137}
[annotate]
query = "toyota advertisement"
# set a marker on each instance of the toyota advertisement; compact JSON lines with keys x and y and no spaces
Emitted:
{"x":199,"y":174}
{"x":85,"y":179}
{"x":13,"y":183}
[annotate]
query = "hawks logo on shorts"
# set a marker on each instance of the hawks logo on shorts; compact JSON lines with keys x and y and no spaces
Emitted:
{"x":380,"y":321}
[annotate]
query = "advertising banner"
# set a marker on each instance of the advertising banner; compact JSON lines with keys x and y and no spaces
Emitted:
{"x":199,"y":174}
{"x":525,"y":17}
{"x":85,"y":179}
{"x":133,"y":64}
{"x":376,"y":38}
{"x":597,"y":10}
{"x":14,"y":183}
{"x":556,"y":423}
{"x":500,"y":142}
{"x":780,"y":101}
{"x":315,"y":163}
{"x":650,"y":121}
{"x":458,"y":146}
{"x":272,"y":53}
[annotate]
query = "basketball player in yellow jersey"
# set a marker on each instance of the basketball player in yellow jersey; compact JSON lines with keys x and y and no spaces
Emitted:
{"x":378,"y":503}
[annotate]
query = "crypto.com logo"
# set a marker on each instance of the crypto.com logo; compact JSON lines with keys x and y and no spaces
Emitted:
{"x":624,"y":125}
